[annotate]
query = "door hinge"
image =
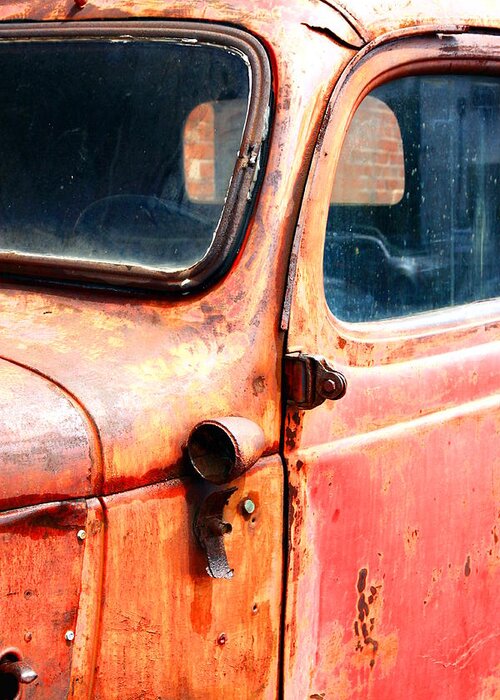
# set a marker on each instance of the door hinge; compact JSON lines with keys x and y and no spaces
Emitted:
{"x":309,"y":380}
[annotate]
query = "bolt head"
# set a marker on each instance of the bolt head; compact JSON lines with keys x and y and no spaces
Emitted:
{"x":248,"y":506}
{"x":69,"y":636}
{"x":329,"y":386}
{"x":81,"y":534}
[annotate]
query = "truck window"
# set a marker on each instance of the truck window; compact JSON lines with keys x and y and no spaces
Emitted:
{"x":91,"y":148}
{"x":414,"y":221}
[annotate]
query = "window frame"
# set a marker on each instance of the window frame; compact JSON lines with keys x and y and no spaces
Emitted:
{"x":245,"y":180}
{"x":379,"y":62}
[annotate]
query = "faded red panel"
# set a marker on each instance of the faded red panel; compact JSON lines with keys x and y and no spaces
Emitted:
{"x":41,"y":564}
{"x":46,"y":448}
{"x":395,"y":561}
{"x":169,"y":629}
{"x":394,"y":489}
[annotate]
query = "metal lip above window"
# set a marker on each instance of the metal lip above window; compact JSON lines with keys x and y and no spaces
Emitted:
{"x":229,"y":232}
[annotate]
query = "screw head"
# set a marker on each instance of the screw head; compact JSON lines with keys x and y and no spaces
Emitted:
{"x":81,"y":534}
{"x":248,"y":506}
{"x":69,"y":636}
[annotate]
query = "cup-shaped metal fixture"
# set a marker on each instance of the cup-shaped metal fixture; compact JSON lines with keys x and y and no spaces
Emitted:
{"x":221,"y":449}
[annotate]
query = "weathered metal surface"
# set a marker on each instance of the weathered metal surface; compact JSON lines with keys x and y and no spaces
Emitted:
{"x":210,"y":529}
{"x":131,"y":361}
{"x":87,"y":629}
{"x":144,"y":371}
{"x":374,"y":571}
{"x":394,"y":491}
{"x":47,"y":445}
{"x":170,"y":631}
{"x":41,"y":565}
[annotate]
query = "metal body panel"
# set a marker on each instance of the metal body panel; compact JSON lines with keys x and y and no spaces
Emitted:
{"x":48,"y":448}
{"x":146,"y":369}
{"x":41,"y":563}
{"x":170,"y":631}
{"x":132,"y":374}
{"x":394,"y":491}
{"x":128,"y":359}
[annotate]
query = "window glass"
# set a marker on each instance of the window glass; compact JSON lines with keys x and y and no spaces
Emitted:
{"x":91,"y":148}
{"x":414,"y":223}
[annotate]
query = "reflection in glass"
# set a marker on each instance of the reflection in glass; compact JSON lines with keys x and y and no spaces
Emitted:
{"x":438,"y":245}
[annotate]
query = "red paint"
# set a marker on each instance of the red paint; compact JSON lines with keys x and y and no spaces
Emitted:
{"x":394,"y":488}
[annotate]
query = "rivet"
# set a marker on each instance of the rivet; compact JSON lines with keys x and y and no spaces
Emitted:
{"x":28,"y":636}
{"x":221,"y":639}
{"x":69,"y":636}
{"x":248,"y":506}
{"x":81,"y":534}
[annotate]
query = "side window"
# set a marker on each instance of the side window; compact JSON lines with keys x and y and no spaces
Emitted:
{"x":414,"y":220}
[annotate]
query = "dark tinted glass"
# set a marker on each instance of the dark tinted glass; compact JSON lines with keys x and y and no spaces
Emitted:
{"x":91,"y":147}
{"x":431,"y":240}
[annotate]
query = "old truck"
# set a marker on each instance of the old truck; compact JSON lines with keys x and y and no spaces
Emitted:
{"x":250,"y":328}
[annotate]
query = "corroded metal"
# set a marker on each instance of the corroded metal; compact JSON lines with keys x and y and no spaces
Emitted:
{"x":392,"y":540}
{"x":393,"y":491}
{"x":210,"y":529}
{"x":222,"y":449}
{"x":311,"y":380}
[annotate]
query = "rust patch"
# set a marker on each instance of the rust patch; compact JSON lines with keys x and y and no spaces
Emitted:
{"x":362,"y":580}
{"x":293,"y":429}
{"x":410,"y":541}
{"x":325,"y":31}
{"x":467,"y":566}
{"x":258,"y":385}
{"x":364,"y":625}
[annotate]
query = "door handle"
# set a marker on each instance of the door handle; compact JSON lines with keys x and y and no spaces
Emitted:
{"x":222,"y":449}
{"x":13,"y":673}
{"x":210,"y":528}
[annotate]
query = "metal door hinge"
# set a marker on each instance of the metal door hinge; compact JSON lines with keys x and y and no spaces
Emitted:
{"x":309,"y":380}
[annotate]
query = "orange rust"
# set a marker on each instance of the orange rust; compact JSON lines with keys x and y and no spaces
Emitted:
{"x":392,"y":539}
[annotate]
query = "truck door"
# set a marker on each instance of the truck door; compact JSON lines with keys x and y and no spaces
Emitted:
{"x":393,"y":572}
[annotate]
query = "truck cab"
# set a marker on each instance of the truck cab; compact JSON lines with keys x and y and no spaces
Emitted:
{"x":250,"y":324}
